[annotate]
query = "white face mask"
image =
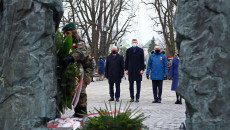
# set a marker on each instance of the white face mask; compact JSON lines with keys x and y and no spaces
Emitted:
{"x":134,"y":45}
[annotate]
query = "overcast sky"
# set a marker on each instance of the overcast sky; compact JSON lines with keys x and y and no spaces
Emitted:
{"x":143,"y":26}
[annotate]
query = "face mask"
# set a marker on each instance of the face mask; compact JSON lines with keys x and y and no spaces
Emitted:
{"x":178,"y":55}
{"x":157,"y":51}
{"x":113,"y":52}
{"x":134,"y":45}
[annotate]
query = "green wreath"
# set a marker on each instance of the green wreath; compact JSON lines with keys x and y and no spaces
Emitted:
{"x":67,"y":77}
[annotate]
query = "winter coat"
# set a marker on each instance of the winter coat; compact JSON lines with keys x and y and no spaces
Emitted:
{"x":101,"y":66}
{"x":114,"y":69}
{"x":134,"y":63}
{"x":158,"y":65}
{"x":174,"y":73}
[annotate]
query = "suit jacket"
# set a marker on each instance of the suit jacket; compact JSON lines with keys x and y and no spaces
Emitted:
{"x":114,"y":68}
{"x":134,"y":63}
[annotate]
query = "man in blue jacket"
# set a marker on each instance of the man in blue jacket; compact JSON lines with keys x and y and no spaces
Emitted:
{"x":158,"y":65}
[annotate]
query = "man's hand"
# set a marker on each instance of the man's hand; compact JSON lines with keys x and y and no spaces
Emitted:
{"x":127,"y":72}
{"x":141,"y":72}
{"x":65,"y":61}
{"x":165,"y":77}
{"x":147,"y":76}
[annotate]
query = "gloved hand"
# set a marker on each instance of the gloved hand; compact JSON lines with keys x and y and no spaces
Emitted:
{"x":65,"y":61}
{"x":165,"y":77}
{"x":147,"y":76}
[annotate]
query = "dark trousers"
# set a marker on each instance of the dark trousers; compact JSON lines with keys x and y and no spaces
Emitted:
{"x":131,"y":89}
{"x":111,"y":91}
{"x":157,"y":89}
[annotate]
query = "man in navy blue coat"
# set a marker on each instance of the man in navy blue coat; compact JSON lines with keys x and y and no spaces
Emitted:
{"x":114,"y":71}
{"x":158,"y":65}
{"x":134,"y":68}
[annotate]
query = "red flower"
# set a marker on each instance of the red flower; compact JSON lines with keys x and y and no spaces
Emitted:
{"x":70,"y":94}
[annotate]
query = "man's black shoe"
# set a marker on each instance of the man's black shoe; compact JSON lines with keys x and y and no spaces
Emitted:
{"x":137,"y":100}
{"x":177,"y":102}
{"x":111,"y":99}
{"x":158,"y":101}
{"x":132,"y":100}
{"x":80,"y":112}
{"x":155,"y":101}
{"x":180,"y":102}
{"x":117,"y":100}
{"x":77,"y":115}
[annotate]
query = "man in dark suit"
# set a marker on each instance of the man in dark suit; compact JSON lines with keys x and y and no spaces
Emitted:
{"x":114,"y":71}
{"x":134,"y":68}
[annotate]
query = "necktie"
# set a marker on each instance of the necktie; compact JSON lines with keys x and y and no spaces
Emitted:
{"x":134,"y":49}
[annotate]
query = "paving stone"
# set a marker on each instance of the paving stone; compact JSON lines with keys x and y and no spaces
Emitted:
{"x":165,"y":115}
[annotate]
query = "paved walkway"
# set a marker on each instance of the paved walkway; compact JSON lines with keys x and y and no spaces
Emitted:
{"x":163,"y":116}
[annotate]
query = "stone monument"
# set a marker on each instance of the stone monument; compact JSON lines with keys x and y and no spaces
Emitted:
{"x":28,"y":84}
{"x":203,"y":29}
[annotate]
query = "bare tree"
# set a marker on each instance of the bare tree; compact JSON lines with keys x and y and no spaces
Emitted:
{"x":174,"y":2}
{"x":151,"y":45}
{"x":92,"y":15}
{"x":165,"y":13}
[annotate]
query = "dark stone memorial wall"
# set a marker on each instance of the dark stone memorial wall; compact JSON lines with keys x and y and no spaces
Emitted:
{"x":203,"y":28}
{"x":28,"y":83}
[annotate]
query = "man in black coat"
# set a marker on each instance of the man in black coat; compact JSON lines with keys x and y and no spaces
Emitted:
{"x":114,"y":71}
{"x":134,"y":68}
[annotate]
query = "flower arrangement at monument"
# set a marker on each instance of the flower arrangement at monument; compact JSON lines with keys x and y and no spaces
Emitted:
{"x":104,"y":119}
{"x":117,"y":119}
{"x":67,"y":77}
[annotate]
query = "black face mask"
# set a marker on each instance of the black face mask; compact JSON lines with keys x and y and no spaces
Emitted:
{"x":113,"y":52}
{"x":178,"y":55}
{"x":157,"y":51}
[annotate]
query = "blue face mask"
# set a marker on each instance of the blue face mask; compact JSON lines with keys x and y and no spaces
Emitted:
{"x":134,"y":45}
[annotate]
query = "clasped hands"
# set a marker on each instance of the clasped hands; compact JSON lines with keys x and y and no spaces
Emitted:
{"x":141,"y":72}
{"x":165,"y":77}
